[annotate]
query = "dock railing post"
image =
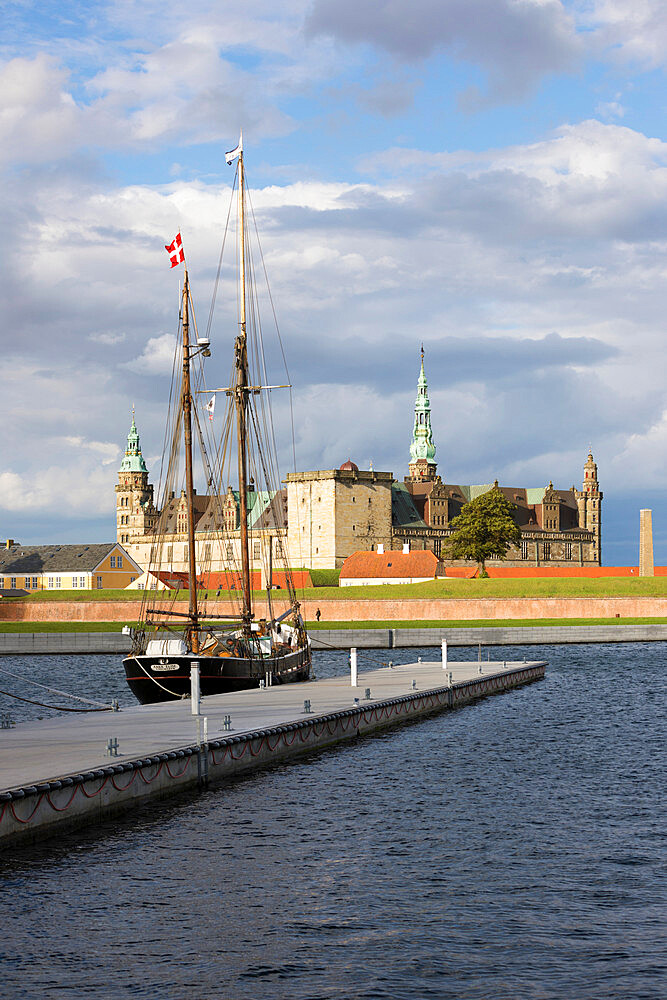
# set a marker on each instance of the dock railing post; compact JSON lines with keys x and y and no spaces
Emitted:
{"x":202,"y":751}
{"x":194,"y":688}
{"x":353,"y":666}
{"x":444,"y":654}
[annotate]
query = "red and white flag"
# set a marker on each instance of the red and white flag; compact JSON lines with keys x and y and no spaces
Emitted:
{"x":176,"y":251}
{"x":210,"y":406}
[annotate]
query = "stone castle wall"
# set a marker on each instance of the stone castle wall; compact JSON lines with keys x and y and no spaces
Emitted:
{"x":373,"y":609}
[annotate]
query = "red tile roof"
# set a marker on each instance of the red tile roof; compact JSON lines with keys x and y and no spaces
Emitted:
{"x":378,"y":565}
{"x":232,"y":580}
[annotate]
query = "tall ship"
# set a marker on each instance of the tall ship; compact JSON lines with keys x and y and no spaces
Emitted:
{"x":233,"y":648}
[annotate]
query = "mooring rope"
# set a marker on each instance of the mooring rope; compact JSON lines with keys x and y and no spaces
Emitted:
{"x":65,"y":694}
{"x":57,"y":708}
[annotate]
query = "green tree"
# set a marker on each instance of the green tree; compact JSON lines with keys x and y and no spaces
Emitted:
{"x":484,"y":528}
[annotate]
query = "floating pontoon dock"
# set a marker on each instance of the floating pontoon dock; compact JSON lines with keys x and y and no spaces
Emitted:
{"x":63,"y":773}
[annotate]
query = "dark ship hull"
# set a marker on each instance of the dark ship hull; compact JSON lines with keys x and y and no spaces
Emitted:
{"x":167,"y":678}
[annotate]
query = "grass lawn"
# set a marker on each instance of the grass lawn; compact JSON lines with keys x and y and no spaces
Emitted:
{"x":487,"y":623}
{"x":609,"y":586}
{"x":318,"y":626}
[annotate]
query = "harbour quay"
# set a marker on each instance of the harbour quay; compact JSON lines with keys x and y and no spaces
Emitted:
{"x":32,"y":643}
{"x":65,"y":773}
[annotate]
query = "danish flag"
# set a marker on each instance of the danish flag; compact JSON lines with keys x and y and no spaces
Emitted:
{"x":176,"y":251}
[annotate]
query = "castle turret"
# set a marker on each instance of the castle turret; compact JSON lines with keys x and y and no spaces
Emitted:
{"x":422,"y":450}
{"x":589,"y":502}
{"x":135,"y":512}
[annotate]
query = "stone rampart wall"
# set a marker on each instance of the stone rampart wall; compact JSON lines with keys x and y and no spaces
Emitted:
{"x":434,"y":609}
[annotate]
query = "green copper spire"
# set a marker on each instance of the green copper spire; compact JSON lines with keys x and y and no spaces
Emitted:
{"x":422,"y":447}
{"x":133,"y":460}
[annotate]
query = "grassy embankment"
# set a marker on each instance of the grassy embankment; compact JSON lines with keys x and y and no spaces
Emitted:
{"x":609,"y":586}
{"x":95,"y":626}
{"x":439,"y":589}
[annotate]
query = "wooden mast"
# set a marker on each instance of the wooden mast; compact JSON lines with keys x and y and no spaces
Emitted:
{"x":186,"y":404}
{"x":242,"y":408}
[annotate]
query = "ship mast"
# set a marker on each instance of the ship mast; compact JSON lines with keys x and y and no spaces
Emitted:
{"x":241,"y":395}
{"x":186,"y":405}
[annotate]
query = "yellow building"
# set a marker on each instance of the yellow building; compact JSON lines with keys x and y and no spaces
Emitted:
{"x":66,"y":567}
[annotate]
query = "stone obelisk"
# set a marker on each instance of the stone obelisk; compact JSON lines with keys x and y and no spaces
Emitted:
{"x":646,"y":567}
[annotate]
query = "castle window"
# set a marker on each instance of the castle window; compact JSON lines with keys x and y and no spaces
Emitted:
{"x":568,"y":550}
{"x":113,"y":562}
{"x":524,"y":550}
{"x":119,"y":562}
{"x":230,"y":552}
{"x":547,"y":550}
{"x":99,"y":583}
{"x":256,"y":550}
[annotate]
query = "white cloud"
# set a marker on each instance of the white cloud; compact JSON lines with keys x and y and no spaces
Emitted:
{"x":627,"y":31}
{"x":641,"y":458}
{"x":108,"y":338}
{"x":38,"y":117}
{"x":608,"y":110}
{"x":82,"y":490}
{"x":157,"y":357}
{"x":104,"y":451}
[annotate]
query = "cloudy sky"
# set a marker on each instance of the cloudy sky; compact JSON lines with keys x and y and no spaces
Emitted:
{"x":488,"y":177}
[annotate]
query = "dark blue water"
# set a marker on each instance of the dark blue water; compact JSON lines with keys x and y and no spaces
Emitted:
{"x":511,"y":849}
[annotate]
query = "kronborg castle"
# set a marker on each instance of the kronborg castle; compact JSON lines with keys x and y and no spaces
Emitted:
{"x":320,"y":518}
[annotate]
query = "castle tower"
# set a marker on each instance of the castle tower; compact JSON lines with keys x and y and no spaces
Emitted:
{"x":422,"y":450}
{"x":551,"y":509}
{"x":589,"y":502}
{"x":135,"y":512}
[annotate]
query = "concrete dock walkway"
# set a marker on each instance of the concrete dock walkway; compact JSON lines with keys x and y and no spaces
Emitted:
{"x":57,"y":774}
